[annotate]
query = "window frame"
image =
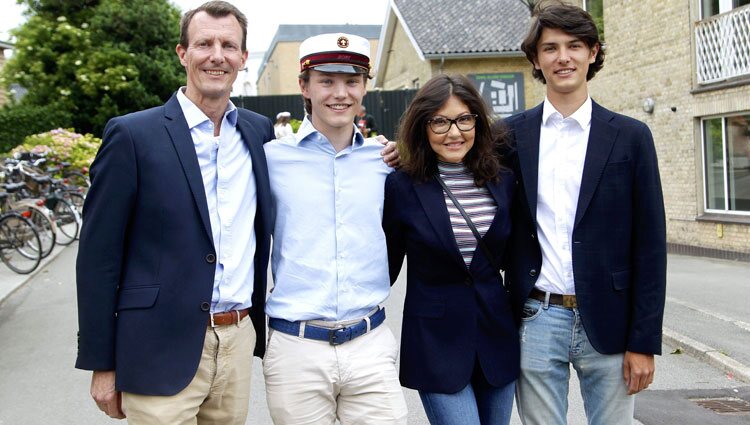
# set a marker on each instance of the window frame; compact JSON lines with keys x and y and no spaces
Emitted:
{"x":726,"y":163}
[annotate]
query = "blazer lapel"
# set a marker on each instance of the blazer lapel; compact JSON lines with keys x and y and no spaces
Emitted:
{"x":527,"y":145}
{"x":430,"y":195}
{"x":601,"y":139}
{"x":183,"y":143}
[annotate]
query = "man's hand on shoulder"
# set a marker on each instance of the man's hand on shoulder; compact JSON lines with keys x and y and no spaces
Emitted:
{"x":390,"y":152}
{"x":638,"y":371}
{"x":104,"y":394}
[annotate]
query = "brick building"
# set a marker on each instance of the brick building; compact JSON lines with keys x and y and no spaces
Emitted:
{"x":479,"y":38}
{"x":684,"y":69}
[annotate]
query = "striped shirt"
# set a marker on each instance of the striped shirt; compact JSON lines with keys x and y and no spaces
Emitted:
{"x":476,"y":201}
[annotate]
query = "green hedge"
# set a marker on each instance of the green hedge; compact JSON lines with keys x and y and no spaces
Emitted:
{"x":19,"y":121}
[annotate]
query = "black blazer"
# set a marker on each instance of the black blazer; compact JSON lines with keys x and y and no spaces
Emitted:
{"x":619,"y":235}
{"x":146,"y":259}
{"x":452,"y":315}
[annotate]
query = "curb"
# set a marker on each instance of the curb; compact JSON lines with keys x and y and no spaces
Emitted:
{"x":21,"y":280}
{"x":707,"y":354}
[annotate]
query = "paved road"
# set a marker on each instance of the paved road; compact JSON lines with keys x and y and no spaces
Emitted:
{"x":39,"y":385}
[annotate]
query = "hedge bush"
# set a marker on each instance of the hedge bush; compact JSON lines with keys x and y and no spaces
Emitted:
{"x":19,"y":121}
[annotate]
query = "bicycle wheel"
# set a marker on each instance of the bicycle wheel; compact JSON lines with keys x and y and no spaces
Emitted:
{"x":20,"y":247}
{"x":67,"y":221}
{"x":77,"y":179}
{"x":76,"y":199}
{"x":44,"y":225}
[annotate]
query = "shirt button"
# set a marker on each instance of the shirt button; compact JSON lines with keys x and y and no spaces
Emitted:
{"x":210,"y":258}
{"x":205,"y":306}
{"x":532,"y":272}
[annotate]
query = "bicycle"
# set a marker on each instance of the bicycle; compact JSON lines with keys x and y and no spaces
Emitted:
{"x":35,"y":211}
{"x":20,"y":247}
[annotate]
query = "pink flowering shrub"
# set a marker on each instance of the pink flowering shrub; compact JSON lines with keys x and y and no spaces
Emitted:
{"x":63,"y":145}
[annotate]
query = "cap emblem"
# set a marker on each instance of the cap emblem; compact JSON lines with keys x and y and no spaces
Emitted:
{"x":343,"y":42}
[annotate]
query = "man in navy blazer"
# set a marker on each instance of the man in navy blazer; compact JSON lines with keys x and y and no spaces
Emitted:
{"x":588,"y":266}
{"x":175,"y":243}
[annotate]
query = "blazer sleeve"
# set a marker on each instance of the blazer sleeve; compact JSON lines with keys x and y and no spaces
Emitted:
{"x":649,"y":254}
{"x":106,"y":215}
{"x":394,"y":235}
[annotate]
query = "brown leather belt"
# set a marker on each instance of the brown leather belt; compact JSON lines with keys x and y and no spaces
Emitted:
{"x":567,"y":301}
{"x":227,"y":318}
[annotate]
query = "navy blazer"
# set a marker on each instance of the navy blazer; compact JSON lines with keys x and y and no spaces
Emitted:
{"x":453,"y":315}
{"x":619,"y":234}
{"x":146,"y":259}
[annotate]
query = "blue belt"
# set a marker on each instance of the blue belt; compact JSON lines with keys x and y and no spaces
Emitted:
{"x":333,"y":336}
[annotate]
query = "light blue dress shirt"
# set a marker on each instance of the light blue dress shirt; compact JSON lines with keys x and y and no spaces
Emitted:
{"x":329,"y":254}
{"x":229,"y":182}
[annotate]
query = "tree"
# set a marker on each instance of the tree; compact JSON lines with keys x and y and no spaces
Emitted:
{"x":97,"y":58}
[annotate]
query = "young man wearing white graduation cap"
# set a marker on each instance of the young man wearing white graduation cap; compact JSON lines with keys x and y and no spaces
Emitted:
{"x":329,"y":354}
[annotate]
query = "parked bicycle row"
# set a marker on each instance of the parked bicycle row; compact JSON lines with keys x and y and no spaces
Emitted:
{"x":41,"y":205}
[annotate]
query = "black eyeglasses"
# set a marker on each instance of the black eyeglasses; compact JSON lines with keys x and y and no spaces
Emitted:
{"x":442,"y":125}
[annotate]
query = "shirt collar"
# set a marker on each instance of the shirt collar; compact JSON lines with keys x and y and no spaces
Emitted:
{"x":194,"y":116}
{"x":582,"y":116}
{"x":306,"y":132}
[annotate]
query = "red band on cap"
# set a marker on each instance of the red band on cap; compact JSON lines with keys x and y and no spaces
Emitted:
{"x":347,"y":58}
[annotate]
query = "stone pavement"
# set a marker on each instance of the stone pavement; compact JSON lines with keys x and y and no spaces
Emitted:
{"x":11,"y":281}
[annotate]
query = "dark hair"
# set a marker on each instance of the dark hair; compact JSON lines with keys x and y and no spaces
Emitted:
{"x":216,"y":9}
{"x":305,"y":76}
{"x":571,"y":20}
{"x":417,"y":157}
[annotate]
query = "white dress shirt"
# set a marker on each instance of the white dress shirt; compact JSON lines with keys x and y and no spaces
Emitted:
{"x":562,"y":151}
{"x":329,"y":257}
{"x":229,"y":182}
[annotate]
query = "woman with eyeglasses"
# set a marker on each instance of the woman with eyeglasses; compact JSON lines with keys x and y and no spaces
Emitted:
{"x":459,"y":343}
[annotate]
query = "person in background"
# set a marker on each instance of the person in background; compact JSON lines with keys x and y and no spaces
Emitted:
{"x":329,"y":355}
{"x":459,"y":343}
{"x":282,"y":127}
{"x":366,"y":123}
{"x":588,"y":266}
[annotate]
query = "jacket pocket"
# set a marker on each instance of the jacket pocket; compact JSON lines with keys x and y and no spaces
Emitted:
{"x":138,"y":297}
{"x":621,"y":280}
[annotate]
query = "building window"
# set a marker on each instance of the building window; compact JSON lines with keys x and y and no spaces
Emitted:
{"x":714,"y":7}
{"x":726,"y":159}
{"x":596,"y":10}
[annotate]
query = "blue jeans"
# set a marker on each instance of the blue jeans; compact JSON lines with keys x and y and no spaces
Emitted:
{"x":477,"y":404}
{"x":552,"y":339}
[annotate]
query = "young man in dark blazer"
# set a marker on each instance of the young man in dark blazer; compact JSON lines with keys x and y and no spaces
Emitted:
{"x":588,"y":272}
{"x":175,"y":243}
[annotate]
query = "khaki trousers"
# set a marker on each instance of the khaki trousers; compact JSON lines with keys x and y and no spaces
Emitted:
{"x":219,"y":394}
{"x":313,"y":382}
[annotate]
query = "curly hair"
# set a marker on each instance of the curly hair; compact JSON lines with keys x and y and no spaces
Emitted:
{"x":571,"y":20}
{"x":417,"y":157}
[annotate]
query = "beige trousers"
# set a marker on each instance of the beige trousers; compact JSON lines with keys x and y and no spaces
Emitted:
{"x":219,"y":394}
{"x":313,"y":382}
